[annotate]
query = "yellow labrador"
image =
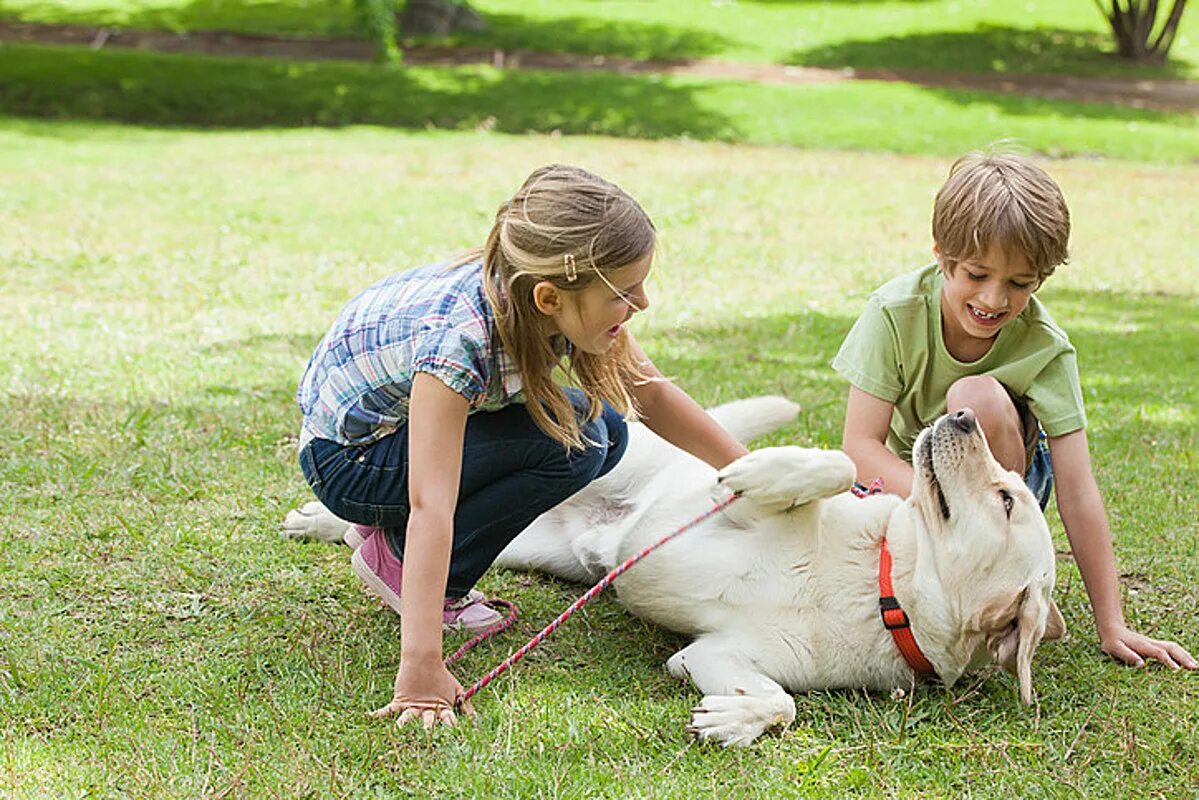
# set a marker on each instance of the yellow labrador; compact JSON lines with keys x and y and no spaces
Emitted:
{"x":781,"y":590}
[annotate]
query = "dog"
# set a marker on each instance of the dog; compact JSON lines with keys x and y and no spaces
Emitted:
{"x":781,"y":589}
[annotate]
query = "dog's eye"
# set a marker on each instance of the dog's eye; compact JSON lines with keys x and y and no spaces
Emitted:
{"x":1008,"y":502}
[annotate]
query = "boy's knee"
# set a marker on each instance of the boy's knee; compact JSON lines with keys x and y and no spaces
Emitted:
{"x":987,"y":397}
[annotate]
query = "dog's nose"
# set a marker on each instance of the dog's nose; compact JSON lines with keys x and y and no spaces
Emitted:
{"x":964,"y":420}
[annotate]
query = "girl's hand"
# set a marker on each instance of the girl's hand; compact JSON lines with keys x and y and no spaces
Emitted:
{"x":426,"y":691}
{"x":1133,"y":648}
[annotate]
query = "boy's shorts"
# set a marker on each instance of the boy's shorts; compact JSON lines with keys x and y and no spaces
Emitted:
{"x":1038,"y":475}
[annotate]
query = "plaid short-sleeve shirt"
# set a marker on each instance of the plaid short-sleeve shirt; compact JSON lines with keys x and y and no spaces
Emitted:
{"x":430,"y":319}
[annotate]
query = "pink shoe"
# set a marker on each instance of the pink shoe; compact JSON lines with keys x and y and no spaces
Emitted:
{"x":383,"y":573}
{"x":356,"y":535}
{"x":470,"y":613}
{"x":378,"y":567}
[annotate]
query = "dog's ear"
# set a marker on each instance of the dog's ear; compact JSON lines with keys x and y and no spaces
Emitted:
{"x":1014,"y":625}
{"x":998,"y":622}
{"x":1055,"y":625}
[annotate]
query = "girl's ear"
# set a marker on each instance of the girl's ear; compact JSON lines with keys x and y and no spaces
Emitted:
{"x":548,"y":298}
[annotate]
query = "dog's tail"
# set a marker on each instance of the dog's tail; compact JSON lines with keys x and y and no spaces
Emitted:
{"x":755,"y":416}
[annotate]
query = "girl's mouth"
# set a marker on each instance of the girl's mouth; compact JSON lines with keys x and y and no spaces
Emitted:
{"x":614,"y":331}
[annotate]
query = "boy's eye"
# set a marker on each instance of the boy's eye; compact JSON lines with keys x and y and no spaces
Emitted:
{"x":974,"y":276}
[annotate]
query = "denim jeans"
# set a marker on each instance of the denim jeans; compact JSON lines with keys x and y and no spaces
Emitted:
{"x":1039,"y":475}
{"x":512,"y":472}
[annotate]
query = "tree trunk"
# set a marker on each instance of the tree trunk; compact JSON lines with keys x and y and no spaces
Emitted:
{"x":438,"y":18}
{"x":1132,"y":23}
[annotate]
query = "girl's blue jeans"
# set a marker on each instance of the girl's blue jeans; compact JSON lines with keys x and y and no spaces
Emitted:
{"x":512,"y":472}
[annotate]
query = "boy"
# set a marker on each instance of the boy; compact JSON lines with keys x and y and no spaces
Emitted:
{"x":968,"y":332}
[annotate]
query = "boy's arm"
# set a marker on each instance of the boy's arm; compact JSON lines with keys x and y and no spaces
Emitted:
{"x":671,"y":413}
{"x":1081,"y":508}
{"x":867,"y":421}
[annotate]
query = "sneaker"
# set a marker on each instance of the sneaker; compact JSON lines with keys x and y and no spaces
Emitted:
{"x":356,"y":535}
{"x":470,"y":613}
{"x":382,"y":573}
{"x":378,"y":567}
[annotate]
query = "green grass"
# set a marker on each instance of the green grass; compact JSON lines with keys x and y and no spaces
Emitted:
{"x":161,"y":292}
{"x":1057,"y":36}
{"x":176,"y":90}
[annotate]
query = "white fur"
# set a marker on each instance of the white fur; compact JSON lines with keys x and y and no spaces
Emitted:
{"x":780,"y":590}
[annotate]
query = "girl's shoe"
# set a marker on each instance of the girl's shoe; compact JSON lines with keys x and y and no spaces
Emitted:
{"x":382,"y":572}
{"x":378,"y":567}
{"x":470,"y":613}
{"x":356,"y":535}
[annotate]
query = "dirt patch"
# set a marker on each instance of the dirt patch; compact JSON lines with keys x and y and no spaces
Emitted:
{"x":1156,"y":94}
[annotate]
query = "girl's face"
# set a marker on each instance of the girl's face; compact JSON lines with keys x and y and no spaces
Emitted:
{"x":592,"y":318}
{"x":982,"y":294}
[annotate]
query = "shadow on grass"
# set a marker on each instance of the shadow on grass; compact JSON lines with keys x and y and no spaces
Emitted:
{"x":150,"y":88}
{"x":590,"y":36}
{"x":988,"y":48}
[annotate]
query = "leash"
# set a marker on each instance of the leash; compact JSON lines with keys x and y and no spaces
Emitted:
{"x":565,"y":615}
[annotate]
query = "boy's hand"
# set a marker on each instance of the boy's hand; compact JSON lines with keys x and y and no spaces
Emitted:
{"x":1133,"y":648}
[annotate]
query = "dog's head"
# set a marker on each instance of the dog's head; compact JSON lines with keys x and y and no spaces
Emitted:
{"x":991,"y":546}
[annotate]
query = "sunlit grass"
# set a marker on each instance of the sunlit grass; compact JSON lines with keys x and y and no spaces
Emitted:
{"x":161,"y":292}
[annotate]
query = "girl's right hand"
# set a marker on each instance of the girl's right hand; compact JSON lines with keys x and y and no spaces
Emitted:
{"x":426,"y":691}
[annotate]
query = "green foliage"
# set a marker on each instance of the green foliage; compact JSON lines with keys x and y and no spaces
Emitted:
{"x":379,"y":19}
{"x":162,"y":290}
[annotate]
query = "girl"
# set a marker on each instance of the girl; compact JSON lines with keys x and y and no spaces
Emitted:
{"x":433,"y":421}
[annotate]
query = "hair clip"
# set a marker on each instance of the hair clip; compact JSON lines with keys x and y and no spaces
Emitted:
{"x":568,"y":264}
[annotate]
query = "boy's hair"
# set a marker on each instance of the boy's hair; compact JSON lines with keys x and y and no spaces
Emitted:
{"x":563,"y":211}
{"x":1001,"y":198}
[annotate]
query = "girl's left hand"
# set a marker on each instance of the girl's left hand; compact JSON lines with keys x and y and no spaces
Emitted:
{"x":1133,"y":648}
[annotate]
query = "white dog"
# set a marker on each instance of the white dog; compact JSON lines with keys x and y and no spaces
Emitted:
{"x":781,"y":590}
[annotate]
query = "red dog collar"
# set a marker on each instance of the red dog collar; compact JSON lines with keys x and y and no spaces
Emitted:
{"x":894,"y":618}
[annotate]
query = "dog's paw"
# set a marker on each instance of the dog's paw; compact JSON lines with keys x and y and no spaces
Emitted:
{"x":313,"y":522}
{"x":778,"y":478}
{"x":737,"y":720}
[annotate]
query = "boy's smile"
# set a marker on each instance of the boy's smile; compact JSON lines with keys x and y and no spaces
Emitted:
{"x":981,"y":294}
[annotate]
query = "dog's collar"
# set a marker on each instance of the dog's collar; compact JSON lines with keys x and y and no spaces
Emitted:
{"x":894,"y":618}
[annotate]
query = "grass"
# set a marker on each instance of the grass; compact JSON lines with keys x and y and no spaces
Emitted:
{"x":162,"y":289}
{"x":1055,"y":36}
{"x":179,"y":90}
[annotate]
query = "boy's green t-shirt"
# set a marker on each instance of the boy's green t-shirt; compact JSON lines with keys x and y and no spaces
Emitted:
{"x":896,"y":352}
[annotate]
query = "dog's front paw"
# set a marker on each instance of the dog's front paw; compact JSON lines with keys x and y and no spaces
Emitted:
{"x":737,"y":720}
{"x":313,"y":522}
{"x":778,"y":478}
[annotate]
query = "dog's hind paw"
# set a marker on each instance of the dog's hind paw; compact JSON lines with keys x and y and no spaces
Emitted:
{"x":313,"y":522}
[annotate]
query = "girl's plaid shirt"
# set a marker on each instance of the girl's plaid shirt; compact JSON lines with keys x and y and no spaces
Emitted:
{"x":431,"y":319}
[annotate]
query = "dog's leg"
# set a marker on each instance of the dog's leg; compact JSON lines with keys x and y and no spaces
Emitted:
{"x":740,"y":702}
{"x":779,"y":478}
{"x":313,"y":522}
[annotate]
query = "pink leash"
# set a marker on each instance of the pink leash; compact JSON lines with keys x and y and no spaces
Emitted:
{"x":548,"y":629}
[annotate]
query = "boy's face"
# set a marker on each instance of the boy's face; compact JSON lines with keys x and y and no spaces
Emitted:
{"x":984,"y":292}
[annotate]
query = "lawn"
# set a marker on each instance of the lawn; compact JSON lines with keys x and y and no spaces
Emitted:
{"x":179,"y":90}
{"x":1055,"y":36}
{"x":162,"y":289}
